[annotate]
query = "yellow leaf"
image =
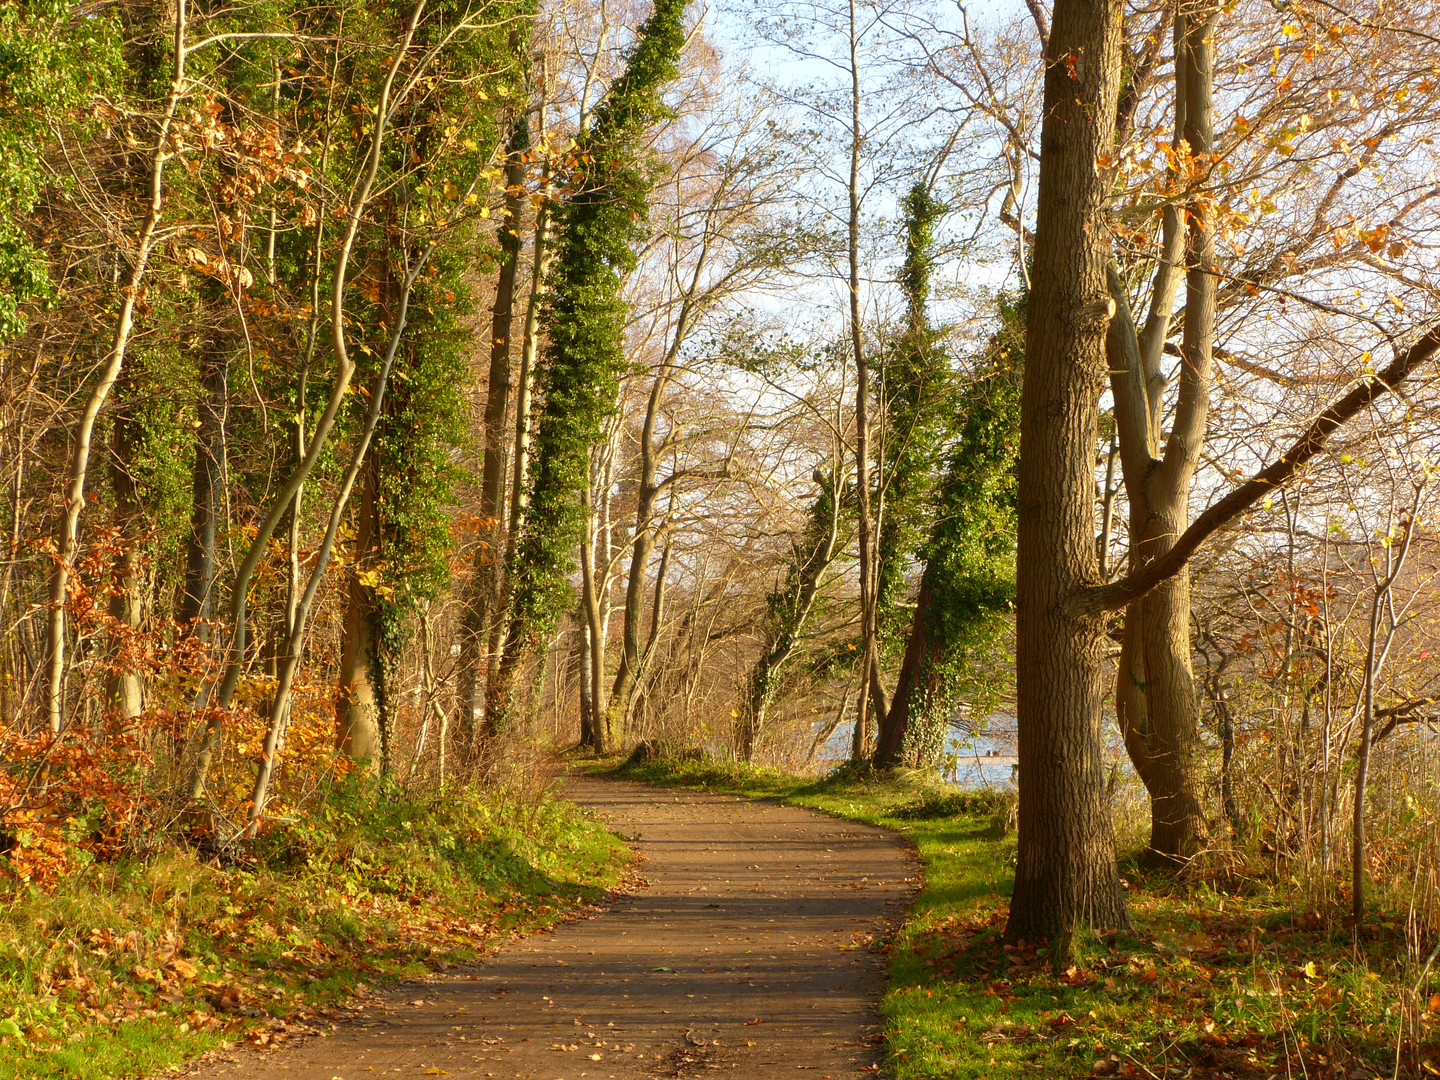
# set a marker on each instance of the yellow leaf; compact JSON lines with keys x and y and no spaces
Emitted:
{"x":1311,"y":971}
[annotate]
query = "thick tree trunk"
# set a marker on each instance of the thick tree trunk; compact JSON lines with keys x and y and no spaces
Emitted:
{"x":1159,"y":717}
{"x":1065,"y":874}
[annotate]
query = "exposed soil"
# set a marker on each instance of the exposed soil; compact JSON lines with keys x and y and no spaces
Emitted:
{"x":745,"y":954}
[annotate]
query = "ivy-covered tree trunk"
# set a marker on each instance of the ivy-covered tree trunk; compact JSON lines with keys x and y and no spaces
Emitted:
{"x":918,"y":687}
{"x":919,"y":402}
{"x":585,"y":358}
{"x":917,"y":380}
{"x":968,"y":584}
{"x":790,"y":608}
{"x":197,"y":600}
{"x":358,"y":708}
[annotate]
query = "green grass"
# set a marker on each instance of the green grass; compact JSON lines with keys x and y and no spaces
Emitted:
{"x":133,"y":967}
{"x":1221,"y":976}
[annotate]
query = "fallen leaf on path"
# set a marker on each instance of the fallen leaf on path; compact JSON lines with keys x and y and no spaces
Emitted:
{"x":752,"y":1023}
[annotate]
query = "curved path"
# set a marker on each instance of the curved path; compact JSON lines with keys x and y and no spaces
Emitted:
{"x":739,"y":957}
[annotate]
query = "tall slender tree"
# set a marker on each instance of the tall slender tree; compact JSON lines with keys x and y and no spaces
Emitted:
{"x":585,"y":358}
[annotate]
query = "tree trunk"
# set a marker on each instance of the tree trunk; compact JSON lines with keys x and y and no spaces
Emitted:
{"x":587,"y":700}
{"x":279,"y":717}
{"x":642,"y":546}
{"x":1159,"y":716}
{"x":67,"y":543}
{"x":357,"y":709}
{"x":1065,"y":874}
{"x":919,"y":680}
{"x":872,"y":704}
{"x":197,"y":604}
{"x":1155,"y":697}
{"x":124,"y":687}
{"x":485,"y":576}
{"x":319,"y":438}
{"x":791,"y":606}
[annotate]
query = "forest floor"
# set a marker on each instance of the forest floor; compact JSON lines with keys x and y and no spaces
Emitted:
{"x":744,"y":953}
{"x":1227,"y":973}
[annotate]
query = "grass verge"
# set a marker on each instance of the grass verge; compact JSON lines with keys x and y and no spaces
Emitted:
{"x":132,"y":967}
{"x":1221,"y":977}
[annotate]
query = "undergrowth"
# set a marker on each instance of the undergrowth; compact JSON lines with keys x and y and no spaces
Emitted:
{"x":134,"y":965}
{"x":1221,"y":976}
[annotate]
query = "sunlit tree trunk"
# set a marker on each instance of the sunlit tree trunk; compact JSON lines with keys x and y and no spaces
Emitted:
{"x":485,"y":574}
{"x":357,"y":708}
{"x":67,"y":543}
{"x":1065,"y":873}
{"x":1155,"y":695}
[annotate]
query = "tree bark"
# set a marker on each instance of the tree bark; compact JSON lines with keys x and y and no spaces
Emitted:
{"x":485,"y":578}
{"x":790,"y":608}
{"x":1155,"y":694}
{"x":872,"y":704}
{"x":124,"y":687}
{"x":587,"y":700}
{"x":918,"y":682}
{"x":279,"y":717}
{"x":1065,"y":874}
{"x":357,"y":708}
{"x":595,"y":627}
{"x":344,"y":372}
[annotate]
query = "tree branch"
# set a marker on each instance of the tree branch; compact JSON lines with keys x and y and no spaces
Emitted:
{"x":1116,"y":595}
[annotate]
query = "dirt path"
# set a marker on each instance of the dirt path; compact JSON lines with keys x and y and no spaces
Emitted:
{"x":738,"y":958}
